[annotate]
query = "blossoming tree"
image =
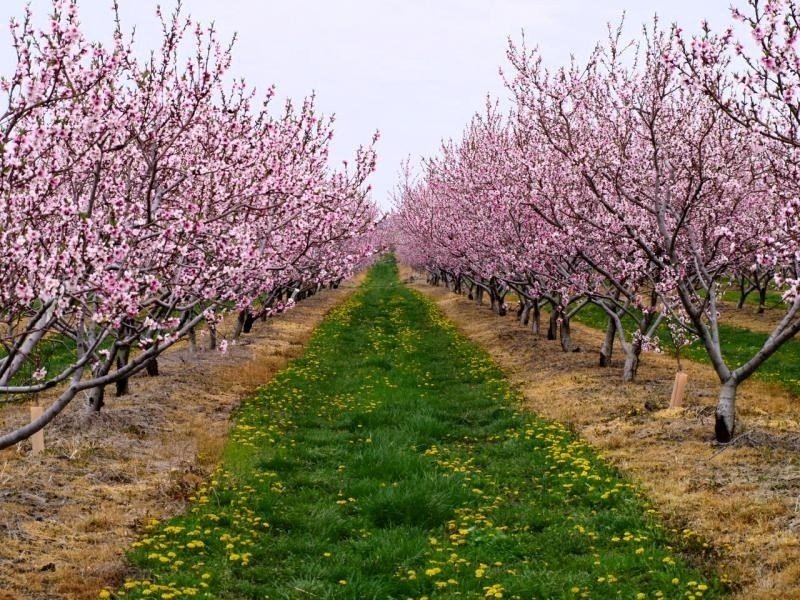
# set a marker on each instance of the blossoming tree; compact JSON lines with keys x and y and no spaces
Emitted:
{"x":140,"y":198}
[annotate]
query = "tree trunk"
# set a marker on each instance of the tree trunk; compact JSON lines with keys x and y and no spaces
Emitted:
{"x":240,"y":322}
{"x":725,"y":418}
{"x":97,"y":394}
{"x":249,"y":320}
{"x":96,"y":397}
{"x":536,"y":326}
{"x":762,"y":299}
{"x":152,"y":367}
{"x":192,"y":335}
{"x":552,"y":330}
{"x":607,"y":349}
{"x":479,"y":295}
{"x":742,"y":293}
{"x":502,"y":309}
{"x":122,"y":385}
{"x":566,"y":338}
{"x":631,"y":362}
{"x":212,"y":338}
{"x":525,"y":314}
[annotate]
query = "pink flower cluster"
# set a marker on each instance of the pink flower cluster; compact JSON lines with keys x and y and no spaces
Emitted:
{"x":644,"y":181}
{"x":137,"y":197}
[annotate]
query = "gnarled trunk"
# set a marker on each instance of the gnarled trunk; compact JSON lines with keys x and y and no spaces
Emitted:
{"x":152,"y":367}
{"x":122,"y":384}
{"x":192,"y":335}
{"x":742,"y":293}
{"x":632,"y":355}
{"x":762,"y":300}
{"x":525,"y":314}
{"x":552,"y":329}
{"x":725,"y":418}
{"x":607,"y":349}
{"x":240,"y":321}
{"x":502,"y":307}
{"x":249,"y":320}
{"x":96,"y":398}
{"x":97,"y":394}
{"x":536,"y":326}
{"x":566,"y":337}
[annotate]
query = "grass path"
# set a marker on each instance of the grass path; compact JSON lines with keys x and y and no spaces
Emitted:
{"x":390,"y":461}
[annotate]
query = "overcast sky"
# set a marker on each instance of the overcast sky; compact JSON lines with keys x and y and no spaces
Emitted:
{"x":415,"y":70}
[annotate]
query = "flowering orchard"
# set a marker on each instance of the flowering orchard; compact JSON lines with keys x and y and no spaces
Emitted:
{"x":140,"y":198}
{"x":645,"y":181}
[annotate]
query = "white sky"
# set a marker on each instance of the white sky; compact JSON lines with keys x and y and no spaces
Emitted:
{"x":414,"y":69}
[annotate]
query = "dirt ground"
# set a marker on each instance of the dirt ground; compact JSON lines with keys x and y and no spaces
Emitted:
{"x":743,"y":500}
{"x":747,"y":317}
{"x":67,"y":516}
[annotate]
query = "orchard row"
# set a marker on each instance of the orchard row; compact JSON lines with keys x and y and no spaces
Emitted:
{"x":146,"y":192}
{"x":646,"y":181}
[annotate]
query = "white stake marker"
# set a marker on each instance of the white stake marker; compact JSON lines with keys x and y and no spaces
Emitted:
{"x":37,"y":439}
{"x":678,"y":389}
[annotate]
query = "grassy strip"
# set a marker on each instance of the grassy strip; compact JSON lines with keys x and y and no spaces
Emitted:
{"x":391,"y":461}
{"x":774,"y":298}
{"x":738,"y":346}
{"x":55,"y":353}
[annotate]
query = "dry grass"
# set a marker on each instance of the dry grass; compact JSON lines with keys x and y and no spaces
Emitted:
{"x":747,"y":317}
{"x":67,"y":517}
{"x":743,"y":498}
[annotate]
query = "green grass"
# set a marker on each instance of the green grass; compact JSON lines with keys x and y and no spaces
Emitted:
{"x":738,"y":346}
{"x":392,"y":461}
{"x":774,"y":298}
{"x":54,"y":353}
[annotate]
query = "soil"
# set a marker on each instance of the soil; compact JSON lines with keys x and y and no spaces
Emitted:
{"x":67,"y":516}
{"x":734,"y":508}
{"x":748,"y":317}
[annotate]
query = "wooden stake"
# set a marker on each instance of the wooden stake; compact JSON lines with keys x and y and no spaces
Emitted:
{"x":37,"y":439}
{"x":678,"y":389}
